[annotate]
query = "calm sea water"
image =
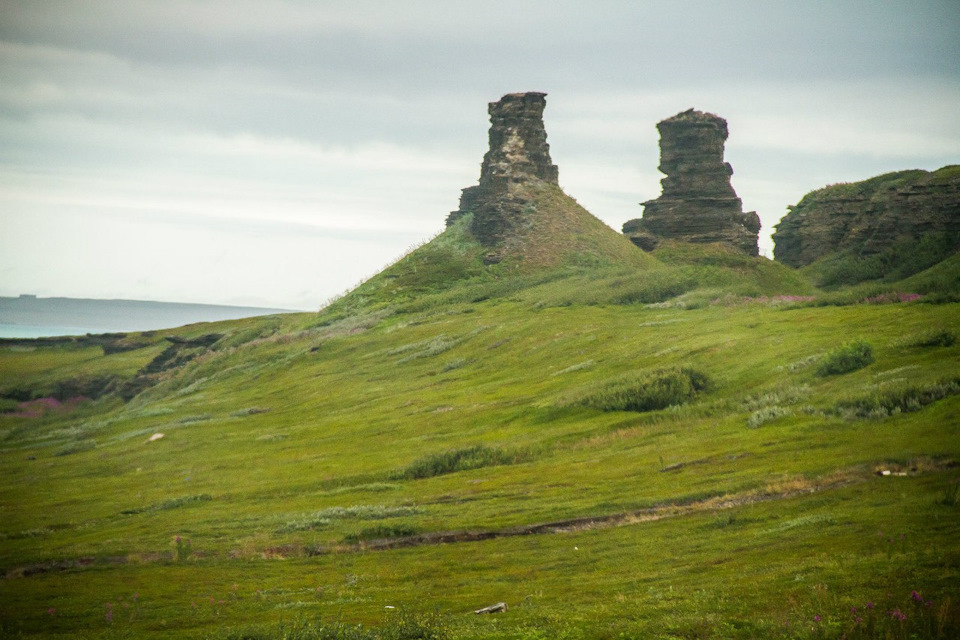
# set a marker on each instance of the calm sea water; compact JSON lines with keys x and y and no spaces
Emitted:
{"x":26,"y":331}
{"x":30,"y":317}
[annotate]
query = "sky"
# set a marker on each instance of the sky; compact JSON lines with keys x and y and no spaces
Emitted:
{"x":259,"y":152}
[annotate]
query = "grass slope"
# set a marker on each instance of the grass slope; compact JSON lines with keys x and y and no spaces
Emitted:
{"x":617,"y":444}
{"x":419,"y":411}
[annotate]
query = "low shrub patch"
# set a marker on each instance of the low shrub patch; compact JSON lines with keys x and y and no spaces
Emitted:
{"x":76,"y":447}
{"x":381,"y":531}
{"x":173,"y":503}
{"x":767,"y":414}
{"x":849,"y":357}
{"x":454,"y":460}
{"x":934,"y":338}
{"x":324,"y":517}
{"x":648,"y":391}
{"x":904,"y":399}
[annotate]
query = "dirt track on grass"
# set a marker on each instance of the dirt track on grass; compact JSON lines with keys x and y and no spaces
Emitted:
{"x":777,"y":491}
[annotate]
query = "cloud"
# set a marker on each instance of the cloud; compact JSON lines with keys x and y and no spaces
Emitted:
{"x":318,"y":126}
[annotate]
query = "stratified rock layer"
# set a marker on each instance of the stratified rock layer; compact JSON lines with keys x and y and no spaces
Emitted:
{"x":869,"y":217}
{"x":698,"y":203}
{"x":518,"y":156}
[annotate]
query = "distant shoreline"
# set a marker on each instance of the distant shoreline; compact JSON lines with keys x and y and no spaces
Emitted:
{"x":32,"y":317}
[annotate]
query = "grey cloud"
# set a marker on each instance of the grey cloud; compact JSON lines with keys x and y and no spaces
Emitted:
{"x":150,"y":92}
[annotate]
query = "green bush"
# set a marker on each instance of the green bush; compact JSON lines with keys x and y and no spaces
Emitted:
{"x":76,"y":447}
{"x":437,"y":464}
{"x":380,"y":532}
{"x":934,"y":338}
{"x":767,"y":414}
{"x":648,"y":391}
{"x":850,"y":357}
{"x":905,"y":399}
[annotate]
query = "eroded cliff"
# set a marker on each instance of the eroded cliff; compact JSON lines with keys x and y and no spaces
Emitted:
{"x":871,"y":217}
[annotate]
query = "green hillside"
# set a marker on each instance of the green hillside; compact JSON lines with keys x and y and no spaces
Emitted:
{"x":688,"y":444}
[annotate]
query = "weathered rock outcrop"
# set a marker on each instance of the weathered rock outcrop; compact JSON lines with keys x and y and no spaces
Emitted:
{"x":698,"y":203}
{"x":518,"y":155}
{"x":870,"y":217}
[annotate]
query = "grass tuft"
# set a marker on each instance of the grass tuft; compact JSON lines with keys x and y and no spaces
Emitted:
{"x":934,"y":338}
{"x":905,"y":399}
{"x":849,"y":357}
{"x":455,"y":460}
{"x":648,"y":391}
{"x":381,"y":531}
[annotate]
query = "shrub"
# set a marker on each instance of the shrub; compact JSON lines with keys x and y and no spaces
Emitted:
{"x":648,"y":391}
{"x":905,"y":399}
{"x":381,"y":531}
{"x":850,"y":357}
{"x":307,"y":522}
{"x":767,"y":414}
{"x":324,"y":517}
{"x":173,"y":503}
{"x":76,"y":447}
{"x":934,"y":338}
{"x":437,"y":464}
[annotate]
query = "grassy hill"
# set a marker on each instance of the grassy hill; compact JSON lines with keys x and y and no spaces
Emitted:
{"x":688,"y":444}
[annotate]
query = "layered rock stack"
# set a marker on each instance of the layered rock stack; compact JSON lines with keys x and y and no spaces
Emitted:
{"x":871,"y":217}
{"x":518,"y":156}
{"x":698,"y":203}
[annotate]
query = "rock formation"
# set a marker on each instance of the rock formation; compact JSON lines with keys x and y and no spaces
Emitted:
{"x":698,"y":203}
{"x":518,"y":155}
{"x":870,"y":217}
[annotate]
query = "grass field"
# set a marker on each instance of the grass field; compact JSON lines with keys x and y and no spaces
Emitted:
{"x":429,"y":445}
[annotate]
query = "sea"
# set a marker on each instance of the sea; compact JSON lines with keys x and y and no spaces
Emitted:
{"x":33,"y":317}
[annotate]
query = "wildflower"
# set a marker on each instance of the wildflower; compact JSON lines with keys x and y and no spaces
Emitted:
{"x":177,"y":539}
{"x":51,"y":611}
{"x":853,"y":609}
{"x":858,"y":620}
{"x":816,"y":618}
{"x":870,"y":605}
{"x":916,"y":597}
{"x":896,"y":614}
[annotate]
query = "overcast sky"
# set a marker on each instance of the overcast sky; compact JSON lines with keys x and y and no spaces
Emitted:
{"x":277,"y":153}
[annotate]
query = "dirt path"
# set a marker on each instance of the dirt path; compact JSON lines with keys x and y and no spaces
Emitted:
{"x":777,"y":491}
{"x":597,"y":522}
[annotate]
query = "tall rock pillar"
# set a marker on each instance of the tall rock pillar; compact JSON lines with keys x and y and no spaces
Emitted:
{"x":518,"y":155}
{"x":698,"y":203}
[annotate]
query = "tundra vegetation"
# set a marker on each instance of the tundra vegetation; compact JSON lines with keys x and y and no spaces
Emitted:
{"x":687,"y":446}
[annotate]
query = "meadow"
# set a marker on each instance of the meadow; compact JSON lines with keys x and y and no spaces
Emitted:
{"x":699,"y":446}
